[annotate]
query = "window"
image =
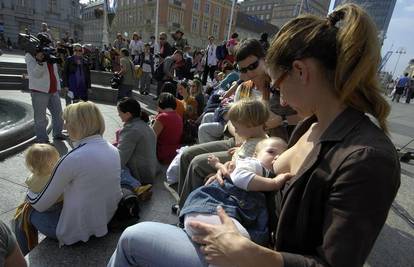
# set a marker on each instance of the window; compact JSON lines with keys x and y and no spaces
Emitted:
{"x":215,"y":29}
{"x":194,"y":24}
{"x":207,"y":8}
{"x":196,"y":5}
{"x":258,"y":7}
{"x":269,"y":6}
{"x":248,"y":8}
{"x":52,"y":5}
{"x":261,"y":17}
{"x":267,"y":16}
{"x":253,"y":8}
{"x":218,"y":11}
{"x":205,"y":27}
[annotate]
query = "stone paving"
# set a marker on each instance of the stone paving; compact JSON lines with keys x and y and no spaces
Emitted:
{"x":394,"y":247}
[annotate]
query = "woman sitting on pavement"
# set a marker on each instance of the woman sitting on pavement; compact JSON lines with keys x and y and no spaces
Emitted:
{"x":168,"y":126}
{"x":330,"y":212}
{"x":88,"y":178}
{"x":196,"y":91}
{"x":137,"y":146}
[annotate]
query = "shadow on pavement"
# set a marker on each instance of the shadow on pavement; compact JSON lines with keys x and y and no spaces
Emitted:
{"x":392,"y":248}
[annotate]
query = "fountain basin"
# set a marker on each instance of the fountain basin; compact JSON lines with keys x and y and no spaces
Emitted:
{"x":16,"y":123}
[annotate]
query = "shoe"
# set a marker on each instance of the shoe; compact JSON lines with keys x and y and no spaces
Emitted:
{"x":145,"y":93}
{"x":175,"y":209}
{"x":144,"y":192}
{"x":155,"y":98}
{"x":61,"y":137}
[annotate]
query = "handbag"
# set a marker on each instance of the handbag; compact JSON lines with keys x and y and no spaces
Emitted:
{"x":116,"y":81}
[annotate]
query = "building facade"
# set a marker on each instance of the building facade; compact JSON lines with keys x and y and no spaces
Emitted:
{"x":198,"y":19}
{"x":92,"y":18}
{"x":248,"y":26}
{"x":278,"y":12}
{"x":60,"y":15}
{"x":380,"y":11}
{"x":260,"y":9}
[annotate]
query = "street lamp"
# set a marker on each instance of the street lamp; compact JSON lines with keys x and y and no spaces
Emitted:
{"x":399,"y":51}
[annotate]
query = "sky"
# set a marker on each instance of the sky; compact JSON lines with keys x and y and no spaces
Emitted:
{"x":400,"y":35}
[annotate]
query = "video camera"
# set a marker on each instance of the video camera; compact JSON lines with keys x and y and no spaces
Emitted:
{"x":34,"y":45}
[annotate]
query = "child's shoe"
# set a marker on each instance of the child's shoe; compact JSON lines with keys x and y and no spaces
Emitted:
{"x":144,"y":192}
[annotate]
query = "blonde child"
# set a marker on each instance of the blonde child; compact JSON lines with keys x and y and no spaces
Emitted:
{"x":241,"y":197}
{"x":40,"y":160}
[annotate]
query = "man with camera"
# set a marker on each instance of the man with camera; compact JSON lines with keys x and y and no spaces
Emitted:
{"x":44,"y":84}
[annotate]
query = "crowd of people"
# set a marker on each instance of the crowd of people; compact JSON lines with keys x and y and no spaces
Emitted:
{"x":282,"y":169}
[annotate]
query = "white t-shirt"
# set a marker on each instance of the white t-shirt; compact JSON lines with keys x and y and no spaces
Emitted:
{"x":245,"y":171}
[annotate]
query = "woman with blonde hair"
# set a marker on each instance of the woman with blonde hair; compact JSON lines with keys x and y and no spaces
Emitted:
{"x":88,"y":177}
{"x":346,"y":170}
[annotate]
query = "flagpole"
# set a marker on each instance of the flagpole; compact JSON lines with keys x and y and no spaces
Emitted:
{"x":231,"y":19}
{"x":156,"y":20}
{"x":105,"y":26}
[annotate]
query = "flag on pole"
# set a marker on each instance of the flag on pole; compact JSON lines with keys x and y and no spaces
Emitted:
{"x":111,"y":6}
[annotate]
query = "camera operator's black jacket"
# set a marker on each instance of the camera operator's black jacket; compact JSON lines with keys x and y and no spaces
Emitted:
{"x":70,"y":68}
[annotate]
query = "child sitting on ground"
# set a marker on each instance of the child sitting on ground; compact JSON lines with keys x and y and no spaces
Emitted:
{"x":241,"y":198}
{"x":41,"y":160}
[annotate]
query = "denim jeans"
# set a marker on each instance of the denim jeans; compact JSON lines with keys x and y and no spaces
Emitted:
{"x":45,"y":222}
{"x":156,"y":244}
{"x":41,"y":101}
{"x":145,"y":82}
{"x":127,"y":180}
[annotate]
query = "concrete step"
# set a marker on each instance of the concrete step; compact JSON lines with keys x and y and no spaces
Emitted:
{"x":10,"y":78}
{"x":9,"y":70}
{"x":12,"y":65}
{"x":12,"y":86}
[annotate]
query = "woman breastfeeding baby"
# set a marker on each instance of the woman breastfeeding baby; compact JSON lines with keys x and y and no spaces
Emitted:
{"x":241,"y":196}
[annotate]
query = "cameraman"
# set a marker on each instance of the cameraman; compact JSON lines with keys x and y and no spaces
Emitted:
{"x":44,"y":84}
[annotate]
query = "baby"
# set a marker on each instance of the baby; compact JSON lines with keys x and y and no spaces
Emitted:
{"x":41,"y":160}
{"x":241,"y":197}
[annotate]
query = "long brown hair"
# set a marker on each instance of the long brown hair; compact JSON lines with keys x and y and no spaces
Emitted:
{"x":348,"y":52}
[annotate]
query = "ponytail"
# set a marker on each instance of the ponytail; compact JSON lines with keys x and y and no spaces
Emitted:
{"x":358,"y":57}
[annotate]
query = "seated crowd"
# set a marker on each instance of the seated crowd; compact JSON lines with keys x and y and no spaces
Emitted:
{"x":281,"y":169}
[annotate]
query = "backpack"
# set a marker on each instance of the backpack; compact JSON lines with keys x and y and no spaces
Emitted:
{"x":159,"y":72}
{"x":138,"y":72}
{"x":127,"y":212}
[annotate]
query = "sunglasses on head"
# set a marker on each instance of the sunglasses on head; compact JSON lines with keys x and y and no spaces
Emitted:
{"x":252,"y":66}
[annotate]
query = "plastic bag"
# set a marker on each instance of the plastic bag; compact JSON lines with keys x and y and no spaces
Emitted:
{"x":172,"y":171}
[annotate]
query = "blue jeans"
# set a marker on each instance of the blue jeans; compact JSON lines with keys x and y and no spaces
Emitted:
{"x":41,"y":101}
{"x":156,"y":244}
{"x":128,"y":180}
{"x":45,"y":222}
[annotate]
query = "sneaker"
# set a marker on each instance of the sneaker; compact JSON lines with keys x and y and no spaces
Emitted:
{"x":155,"y":98}
{"x":175,"y":209}
{"x":144,"y":192}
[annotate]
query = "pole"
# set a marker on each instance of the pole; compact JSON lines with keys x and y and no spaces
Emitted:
{"x":231,"y":18}
{"x":156,"y":20}
{"x":105,"y":26}
{"x":399,"y":52}
{"x":300,"y":7}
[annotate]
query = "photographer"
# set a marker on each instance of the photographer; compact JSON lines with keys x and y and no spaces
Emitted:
{"x":77,"y":75}
{"x":44,"y":85}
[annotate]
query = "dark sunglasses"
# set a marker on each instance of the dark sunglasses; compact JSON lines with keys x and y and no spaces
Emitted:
{"x":78,"y":50}
{"x":162,"y":38}
{"x":251,"y":67}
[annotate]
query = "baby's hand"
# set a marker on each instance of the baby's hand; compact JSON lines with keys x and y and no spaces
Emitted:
{"x":280,"y":180}
{"x":213,"y":160}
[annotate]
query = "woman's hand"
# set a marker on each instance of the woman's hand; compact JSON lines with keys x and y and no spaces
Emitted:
{"x":221,"y":244}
